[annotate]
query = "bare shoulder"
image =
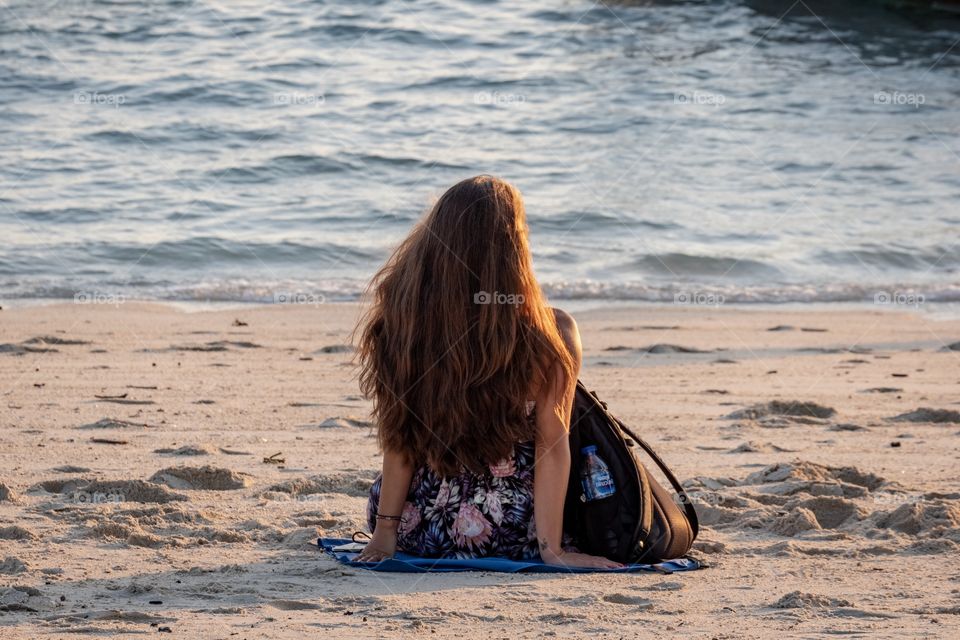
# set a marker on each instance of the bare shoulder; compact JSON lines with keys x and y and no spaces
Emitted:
{"x":569,"y":331}
{"x":564,"y":320}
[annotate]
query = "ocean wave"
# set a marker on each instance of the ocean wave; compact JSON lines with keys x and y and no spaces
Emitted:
{"x":892,"y":258}
{"x":568,"y":220}
{"x":175,"y":258}
{"x":347,"y":289}
{"x":294,"y":165}
{"x":683,"y":265}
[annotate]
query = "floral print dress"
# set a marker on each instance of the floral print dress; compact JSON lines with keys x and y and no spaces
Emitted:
{"x":469,"y":515}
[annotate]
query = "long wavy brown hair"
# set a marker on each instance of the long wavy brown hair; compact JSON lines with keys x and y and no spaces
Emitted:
{"x":459,"y":335}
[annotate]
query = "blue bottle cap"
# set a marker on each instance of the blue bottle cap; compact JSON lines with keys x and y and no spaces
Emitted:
{"x":589,"y":449}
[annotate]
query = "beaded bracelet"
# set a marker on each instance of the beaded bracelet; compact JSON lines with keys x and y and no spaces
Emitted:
{"x":396,"y":518}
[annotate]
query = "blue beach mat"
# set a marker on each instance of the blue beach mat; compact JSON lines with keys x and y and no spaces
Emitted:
{"x":406,"y":563}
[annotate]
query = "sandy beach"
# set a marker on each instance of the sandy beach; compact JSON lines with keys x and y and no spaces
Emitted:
{"x":165,"y":469}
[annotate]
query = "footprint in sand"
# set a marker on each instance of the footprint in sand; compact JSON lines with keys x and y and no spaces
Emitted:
{"x":759,"y":447}
{"x":15,"y":532}
{"x":206,"y":478}
{"x":350,"y":484}
{"x":114,"y":423}
{"x":344,"y":422}
{"x":795,"y":522}
{"x":59,"y":485}
{"x":830,"y":512}
{"x":164,"y":526}
{"x":12,"y":565}
{"x":782,"y":409}
{"x":187,"y":450}
{"x":7,"y":494}
{"x":86,"y":491}
{"x":24,"y":598}
{"x":39,"y":344}
{"x":633,"y":601}
{"x":934,"y":416}
{"x":799,"y":600}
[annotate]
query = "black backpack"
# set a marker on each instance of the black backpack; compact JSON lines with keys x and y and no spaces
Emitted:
{"x":641,"y":521}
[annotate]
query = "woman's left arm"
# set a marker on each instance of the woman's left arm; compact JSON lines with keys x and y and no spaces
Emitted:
{"x":554,"y":406}
{"x":552,"y":469}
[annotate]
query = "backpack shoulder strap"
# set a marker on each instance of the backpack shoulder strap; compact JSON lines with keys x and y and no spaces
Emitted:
{"x":687,"y":502}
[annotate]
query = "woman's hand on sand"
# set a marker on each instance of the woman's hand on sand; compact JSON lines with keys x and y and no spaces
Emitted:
{"x":580,"y":560}
{"x":382,"y":545}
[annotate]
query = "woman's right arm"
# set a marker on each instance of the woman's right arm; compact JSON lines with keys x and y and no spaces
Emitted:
{"x":394,"y":487}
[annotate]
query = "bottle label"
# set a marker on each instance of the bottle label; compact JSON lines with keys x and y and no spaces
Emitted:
{"x":602,"y":485}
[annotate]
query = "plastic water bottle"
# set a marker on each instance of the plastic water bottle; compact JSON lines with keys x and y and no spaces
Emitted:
{"x":595,"y":476}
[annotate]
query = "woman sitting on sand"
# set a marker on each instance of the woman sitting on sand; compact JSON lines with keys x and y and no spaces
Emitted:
{"x":472,"y":377}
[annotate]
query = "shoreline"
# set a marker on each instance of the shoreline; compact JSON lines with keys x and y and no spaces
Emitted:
{"x":946,"y":310}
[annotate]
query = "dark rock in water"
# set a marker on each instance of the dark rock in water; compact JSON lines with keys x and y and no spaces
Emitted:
{"x":782,"y":408}
{"x":822,"y":350}
{"x":671,"y":348}
{"x":846,"y":426}
{"x":336,"y":348}
{"x":113,"y":423}
{"x":216,"y":345}
{"x":186,"y":450}
{"x":936,"y":416}
{"x":210,"y":346}
{"x":813,"y":330}
{"x":345,"y":421}
{"x":54,"y":340}
{"x":952,"y":347}
{"x":70,"y":468}
{"x":883,"y":390}
{"x":19,"y":349}
{"x":658,"y":349}
{"x":782,"y":327}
